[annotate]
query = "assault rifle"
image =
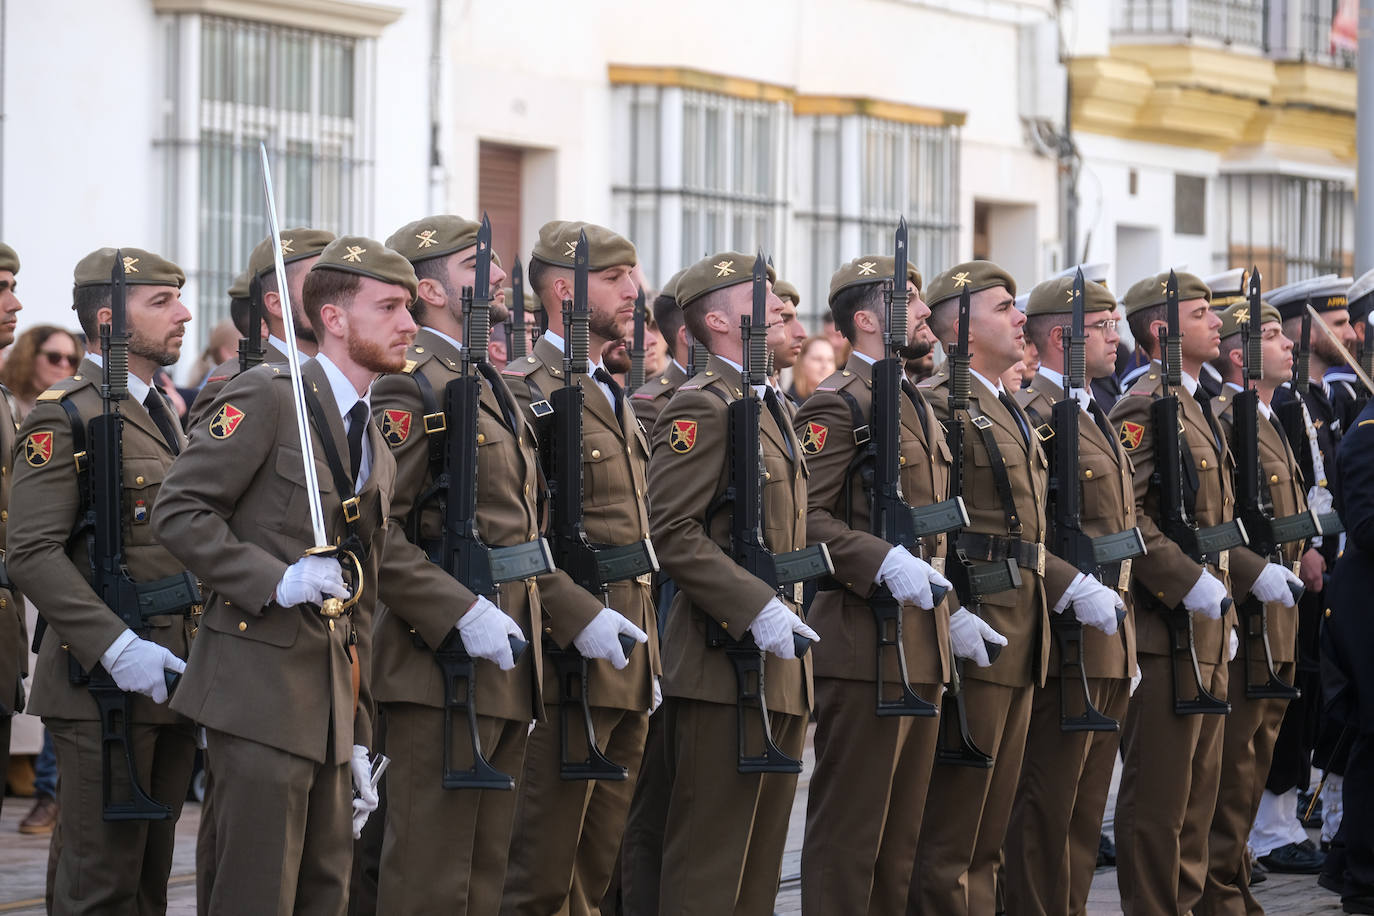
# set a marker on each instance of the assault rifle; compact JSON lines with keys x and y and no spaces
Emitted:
{"x":1255,"y":507}
{"x":748,"y":546}
{"x":636,"y":378}
{"x":1172,"y":461}
{"x":517,"y":340}
{"x":461,"y":551}
{"x":1107,"y":557}
{"x":957,"y":747}
{"x":590,"y":566}
{"x":135,"y":603}
{"x":890,"y":516}
{"x":250,"y":344}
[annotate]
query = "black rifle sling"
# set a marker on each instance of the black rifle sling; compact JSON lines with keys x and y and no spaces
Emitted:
{"x":999,"y":473}
{"x":918,"y":402}
{"x":342,"y":482}
{"x":863,"y":458}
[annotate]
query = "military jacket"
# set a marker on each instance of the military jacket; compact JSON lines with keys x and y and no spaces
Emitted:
{"x":615,"y":454}
{"x":1107,"y":505}
{"x":651,"y":397}
{"x":47,"y":563}
{"x":14,"y":643}
{"x":839,"y":515}
{"x":688,"y":473}
{"x":220,"y":376}
{"x":234,"y":509}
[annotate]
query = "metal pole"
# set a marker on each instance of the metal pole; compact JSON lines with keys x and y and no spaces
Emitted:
{"x":1364,"y":142}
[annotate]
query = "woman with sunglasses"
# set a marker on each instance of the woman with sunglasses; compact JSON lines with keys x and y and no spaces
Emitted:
{"x":42,"y":357}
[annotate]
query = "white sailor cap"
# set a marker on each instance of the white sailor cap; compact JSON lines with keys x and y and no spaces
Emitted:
{"x":1326,"y":293}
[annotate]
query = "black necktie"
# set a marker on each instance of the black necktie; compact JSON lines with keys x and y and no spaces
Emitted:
{"x":503,"y":397}
{"x":1095,"y":410}
{"x":1010,"y":405}
{"x":162,"y":416}
{"x":770,"y":398}
{"x":357,"y":422}
{"x":1205,"y":403}
{"x":617,"y":393}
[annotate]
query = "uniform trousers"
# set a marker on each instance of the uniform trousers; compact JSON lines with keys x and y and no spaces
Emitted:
{"x":116,"y":866}
{"x":283,"y":830}
{"x":1172,"y":766}
{"x":1056,"y":820}
{"x":967,"y":808}
{"x":1247,"y":747}
{"x":567,"y":832}
{"x":726,"y":830}
{"x":444,"y":850}
{"x":864,"y":804}
{"x":1358,"y":824}
{"x":641,"y":852}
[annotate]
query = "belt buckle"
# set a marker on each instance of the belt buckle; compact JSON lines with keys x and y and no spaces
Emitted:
{"x":435,"y":423}
{"x":645,"y":578}
{"x":981,"y":422}
{"x":1040,"y":559}
{"x":1123,"y":581}
{"x":1224,"y":561}
{"x":798,"y":592}
{"x":350,"y":508}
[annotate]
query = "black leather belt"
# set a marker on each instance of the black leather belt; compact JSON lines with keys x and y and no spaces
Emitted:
{"x":990,"y":548}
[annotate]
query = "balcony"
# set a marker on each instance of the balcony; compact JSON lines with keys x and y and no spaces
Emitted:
{"x":1238,"y":23}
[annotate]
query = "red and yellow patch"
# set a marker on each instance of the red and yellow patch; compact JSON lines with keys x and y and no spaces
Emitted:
{"x":683,"y":436}
{"x":225,"y":421}
{"x":395,"y":427}
{"x":813,"y":440}
{"x":38,"y":448}
{"x":1131,"y":435}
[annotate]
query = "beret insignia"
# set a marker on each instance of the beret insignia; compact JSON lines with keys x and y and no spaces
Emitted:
{"x":38,"y":448}
{"x":813,"y":440}
{"x":395,"y":427}
{"x":1131,"y":435}
{"x":683,"y":436}
{"x":225,"y":421}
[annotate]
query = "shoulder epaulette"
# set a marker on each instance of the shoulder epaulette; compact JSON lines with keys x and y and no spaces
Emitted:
{"x":661,"y":387}
{"x":410,"y":366}
{"x":522,"y":367}
{"x":63,"y":388}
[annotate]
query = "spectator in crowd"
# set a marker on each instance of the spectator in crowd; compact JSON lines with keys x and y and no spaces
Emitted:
{"x":816,"y":363}
{"x":42,"y":356}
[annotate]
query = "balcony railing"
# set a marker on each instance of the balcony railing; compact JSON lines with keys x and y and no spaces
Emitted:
{"x":1232,"y":22}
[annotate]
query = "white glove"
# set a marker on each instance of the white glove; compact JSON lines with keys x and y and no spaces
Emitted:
{"x":1093,"y":603}
{"x":1235,"y":646}
{"x":967,"y":631}
{"x":910,"y":578}
{"x":486,"y":631}
{"x":310,"y":580}
{"x":1135,"y":682}
{"x":1205,"y":596}
{"x":1272,"y":584}
{"x":366,"y":801}
{"x":139,"y":667}
{"x":601,"y":637}
{"x":774,"y":626}
{"x":657,"y":700}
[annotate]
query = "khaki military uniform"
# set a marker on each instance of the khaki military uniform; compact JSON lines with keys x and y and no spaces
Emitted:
{"x":567,"y":833}
{"x":958,"y":854}
{"x":14,"y":644}
{"x":220,"y":376}
{"x":1172,"y":763}
{"x":863,"y":813}
{"x":1253,"y":725}
{"x":235,"y":509}
{"x":726,"y":831}
{"x":651,"y":397}
{"x":1056,"y":820}
{"x":102,"y":866}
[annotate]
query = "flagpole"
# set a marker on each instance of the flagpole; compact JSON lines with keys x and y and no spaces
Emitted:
{"x":1364,"y":142}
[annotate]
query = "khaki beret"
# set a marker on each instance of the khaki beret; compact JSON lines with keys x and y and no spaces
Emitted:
{"x":1238,"y":313}
{"x":433,"y":237}
{"x":242,"y":286}
{"x":975,"y":276}
{"x":784,"y":290}
{"x":369,"y":258}
{"x":557,"y":245}
{"x":295,"y":245}
{"x":140,"y":267}
{"x":719,"y":271}
{"x":9,"y":259}
{"x":670,"y":288}
{"x":1151,"y":291}
{"x":868,"y":268}
{"x":1055,"y":297}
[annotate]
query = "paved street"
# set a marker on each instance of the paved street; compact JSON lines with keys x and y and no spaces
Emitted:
{"x":23,"y":859}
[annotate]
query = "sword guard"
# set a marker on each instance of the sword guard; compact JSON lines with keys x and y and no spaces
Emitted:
{"x":334,"y":608}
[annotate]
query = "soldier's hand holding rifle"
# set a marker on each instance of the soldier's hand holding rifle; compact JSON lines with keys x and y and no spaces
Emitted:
{"x":601,"y":637}
{"x":969,"y":635}
{"x":1275,"y":583}
{"x":776,"y":626}
{"x":366,"y":775}
{"x":909,"y":578}
{"x":1093,"y":603}
{"x":310,"y":580}
{"x":140,"y":666}
{"x":486,"y":631}
{"x":1206,"y":597}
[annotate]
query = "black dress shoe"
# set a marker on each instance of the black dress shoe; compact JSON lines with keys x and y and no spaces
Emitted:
{"x":1106,"y":851}
{"x":1334,"y":883}
{"x":1295,"y":859}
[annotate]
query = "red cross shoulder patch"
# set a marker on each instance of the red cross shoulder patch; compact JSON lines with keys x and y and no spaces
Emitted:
{"x":683,"y":436}
{"x":395,"y":427}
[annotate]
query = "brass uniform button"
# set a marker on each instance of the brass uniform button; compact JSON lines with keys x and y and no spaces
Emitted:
{"x":4,"y":515}
{"x":1273,"y":478}
{"x":1328,"y":612}
{"x":596,"y":453}
{"x":331,"y":626}
{"x":725,"y":625}
{"x":1204,"y":463}
{"x":139,"y":480}
{"x":1088,"y":474}
{"x":243,"y":624}
{"x":4,"y":603}
{"x":767,"y":475}
{"x":481,"y":437}
{"x":1159,"y":595}
{"x":902,"y":461}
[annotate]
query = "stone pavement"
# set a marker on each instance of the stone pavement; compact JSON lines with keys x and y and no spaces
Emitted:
{"x":23,"y":860}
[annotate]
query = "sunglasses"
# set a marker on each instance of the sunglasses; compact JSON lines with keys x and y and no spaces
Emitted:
{"x":57,"y":359}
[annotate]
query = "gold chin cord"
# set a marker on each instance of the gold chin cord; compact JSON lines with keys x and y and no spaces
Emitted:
{"x":337,"y":607}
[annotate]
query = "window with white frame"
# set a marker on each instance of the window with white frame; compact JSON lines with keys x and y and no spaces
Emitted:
{"x":1293,"y":227}
{"x":238,"y":83}
{"x":697,"y":172}
{"x":858,"y":175}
